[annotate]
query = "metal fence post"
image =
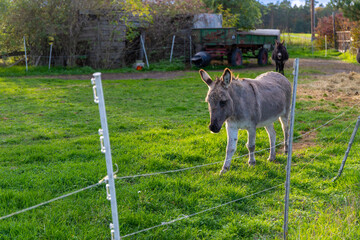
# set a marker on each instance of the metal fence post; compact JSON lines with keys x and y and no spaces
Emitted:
{"x":172,"y":48}
{"x":290,"y":141}
{"x":190,"y":49}
{"x":143,"y":46}
{"x":50,"y":55}
{"x":25,"y":55}
{"x":348,"y":149}
{"x":105,"y":148}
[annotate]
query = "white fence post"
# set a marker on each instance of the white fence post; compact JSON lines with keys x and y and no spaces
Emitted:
{"x":50,"y":55}
{"x":143,"y":46}
{"x":25,"y":55}
{"x":190,"y":49}
{"x":172,"y":48}
{"x":290,"y":140}
{"x":105,"y":148}
{"x":348,"y":149}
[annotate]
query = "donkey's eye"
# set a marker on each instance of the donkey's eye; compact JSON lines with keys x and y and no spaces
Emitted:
{"x":222,"y":103}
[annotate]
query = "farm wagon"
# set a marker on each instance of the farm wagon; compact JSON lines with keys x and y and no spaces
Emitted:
{"x":218,"y":43}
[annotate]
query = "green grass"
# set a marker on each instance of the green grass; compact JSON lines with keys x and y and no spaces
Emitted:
{"x":20,"y":70}
{"x":299,"y":46}
{"x":49,"y":146}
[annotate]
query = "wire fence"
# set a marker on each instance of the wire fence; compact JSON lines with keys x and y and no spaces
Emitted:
{"x":181,"y":50}
{"x":189,"y":168}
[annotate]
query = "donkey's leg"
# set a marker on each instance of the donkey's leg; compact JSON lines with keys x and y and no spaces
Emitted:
{"x":272,"y":138}
{"x":282,"y":68}
{"x":285,"y":127}
{"x":251,"y":145}
{"x":277,"y":66}
{"x":232,"y":138}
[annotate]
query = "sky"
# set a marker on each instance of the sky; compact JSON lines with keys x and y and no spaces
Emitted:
{"x":297,"y":2}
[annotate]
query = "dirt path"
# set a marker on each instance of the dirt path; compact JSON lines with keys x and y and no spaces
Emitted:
{"x":328,"y":67}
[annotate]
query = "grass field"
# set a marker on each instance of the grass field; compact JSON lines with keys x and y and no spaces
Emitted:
{"x":299,"y":45}
{"x":49,"y":146}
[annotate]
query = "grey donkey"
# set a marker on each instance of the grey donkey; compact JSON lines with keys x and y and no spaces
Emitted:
{"x":248,"y":104}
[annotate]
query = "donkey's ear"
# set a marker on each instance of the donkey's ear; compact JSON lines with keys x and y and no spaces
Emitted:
{"x":283,"y":42}
{"x":227,"y":77}
{"x":205,"y":77}
{"x":276,"y":42}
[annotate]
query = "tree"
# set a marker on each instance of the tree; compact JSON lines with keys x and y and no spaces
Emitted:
{"x":325,"y":27}
{"x":62,"y":20}
{"x":350,"y":8}
{"x":247,"y":11}
{"x":170,"y":17}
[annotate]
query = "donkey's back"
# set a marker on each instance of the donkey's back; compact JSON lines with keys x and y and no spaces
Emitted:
{"x":272,"y":94}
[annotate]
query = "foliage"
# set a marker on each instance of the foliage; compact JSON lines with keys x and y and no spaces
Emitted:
{"x":50,"y":146}
{"x":64,"y":21}
{"x":247,"y":12}
{"x":169,"y":18}
{"x":325,"y":27}
{"x":229,"y":19}
{"x":283,"y":16}
{"x":40,"y":19}
{"x":350,"y":8}
{"x":132,"y":8}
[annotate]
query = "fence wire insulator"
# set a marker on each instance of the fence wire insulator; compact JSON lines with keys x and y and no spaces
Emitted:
{"x":96,"y":98}
{"x":108,"y":196}
{"x":112,"y":231}
{"x":102,"y":147}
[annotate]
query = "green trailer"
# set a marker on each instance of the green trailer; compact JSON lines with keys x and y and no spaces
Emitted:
{"x":230,"y":43}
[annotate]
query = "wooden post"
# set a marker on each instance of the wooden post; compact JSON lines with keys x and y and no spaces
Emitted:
{"x":325,"y":46}
{"x":312,"y":12}
{"x":334,"y":29}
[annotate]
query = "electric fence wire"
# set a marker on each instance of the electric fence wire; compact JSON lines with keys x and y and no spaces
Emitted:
{"x":50,"y":201}
{"x":241,"y":156}
{"x":152,"y":174}
{"x":197,"y":213}
{"x":233,"y":201}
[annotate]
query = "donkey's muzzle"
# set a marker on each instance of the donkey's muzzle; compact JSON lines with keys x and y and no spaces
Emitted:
{"x":214,"y":128}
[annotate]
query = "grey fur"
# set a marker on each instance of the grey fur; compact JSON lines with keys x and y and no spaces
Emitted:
{"x":248,"y":104}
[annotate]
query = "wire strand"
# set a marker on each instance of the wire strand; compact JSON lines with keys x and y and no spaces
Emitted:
{"x":197,"y":213}
{"x":50,"y":201}
{"x":241,"y":156}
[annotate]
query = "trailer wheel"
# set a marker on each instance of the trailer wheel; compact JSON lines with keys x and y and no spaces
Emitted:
{"x":236,"y":57}
{"x":263,"y":57}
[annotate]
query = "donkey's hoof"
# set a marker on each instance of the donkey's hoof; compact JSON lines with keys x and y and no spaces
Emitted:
{"x":271,"y":159}
{"x":223,"y":171}
{"x":251,"y":163}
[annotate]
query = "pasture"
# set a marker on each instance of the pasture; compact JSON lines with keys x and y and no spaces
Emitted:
{"x":50,"y":146}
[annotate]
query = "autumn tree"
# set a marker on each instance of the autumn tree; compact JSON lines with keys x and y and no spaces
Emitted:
{"x":325,"y":27}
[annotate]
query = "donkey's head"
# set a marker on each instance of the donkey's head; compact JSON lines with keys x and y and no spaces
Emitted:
{"x":218,"y":98}
{"x":280,"y":50}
